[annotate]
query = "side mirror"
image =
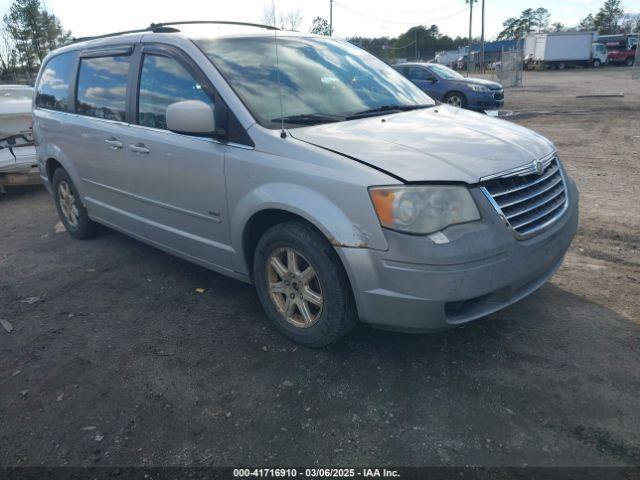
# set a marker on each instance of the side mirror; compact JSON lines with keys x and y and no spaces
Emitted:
{"x":191,"y":117}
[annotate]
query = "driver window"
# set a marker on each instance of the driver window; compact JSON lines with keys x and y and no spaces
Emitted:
{"x":164,"y":81}
{"x":420,"y":74}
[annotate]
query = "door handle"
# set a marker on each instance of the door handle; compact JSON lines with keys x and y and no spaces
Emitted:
{"x":138,"y":148}
{"x":114,"y":143}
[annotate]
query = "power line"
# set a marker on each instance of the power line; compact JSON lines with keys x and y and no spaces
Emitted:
{"x":395,"y":22}
{"x":443,"y":7}
{"x":400,"y":48}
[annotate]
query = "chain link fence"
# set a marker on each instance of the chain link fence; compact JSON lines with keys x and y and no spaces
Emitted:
{"x":509,"y":69}
{"x":635,"y":73}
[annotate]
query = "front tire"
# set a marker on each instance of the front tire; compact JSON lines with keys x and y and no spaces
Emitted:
{"x":596,"y":64}
{"x":456,"y":99}
{"x":71,"y":211}
{"x":302,"y":285}
{"x":629,"y":62}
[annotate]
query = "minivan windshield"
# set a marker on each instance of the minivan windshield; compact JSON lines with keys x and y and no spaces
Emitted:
{"x":321,"y":80}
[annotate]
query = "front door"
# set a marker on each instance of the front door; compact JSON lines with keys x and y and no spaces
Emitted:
{"x":427,"y":82}
{"x":178,"y":179}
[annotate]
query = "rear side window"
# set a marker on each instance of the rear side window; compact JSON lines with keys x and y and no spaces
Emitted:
{"x":102,"y":87}
{"x":164,"y":81}
{"x":52,"y":91}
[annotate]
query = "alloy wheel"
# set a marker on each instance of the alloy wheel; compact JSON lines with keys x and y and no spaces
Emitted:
{"x":294,"y":287}
{"x":68,"y":204}
{"x":455,"y":101}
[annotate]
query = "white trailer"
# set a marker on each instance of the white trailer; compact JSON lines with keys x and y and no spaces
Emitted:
{"x":450,"y":57}
{"x":563,"y":49}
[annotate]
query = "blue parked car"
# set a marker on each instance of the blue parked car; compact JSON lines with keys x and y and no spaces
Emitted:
{"x":448,"y":86}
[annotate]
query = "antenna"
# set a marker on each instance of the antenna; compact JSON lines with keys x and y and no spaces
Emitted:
{"x":283,"y":134}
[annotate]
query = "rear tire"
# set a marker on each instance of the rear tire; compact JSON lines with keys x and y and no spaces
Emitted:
{"x":302,"y":285}
{"x":71,"y":211}
{"x":629,"y":62}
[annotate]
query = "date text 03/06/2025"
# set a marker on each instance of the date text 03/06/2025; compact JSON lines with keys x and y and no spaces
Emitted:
{"x":315,"y":473}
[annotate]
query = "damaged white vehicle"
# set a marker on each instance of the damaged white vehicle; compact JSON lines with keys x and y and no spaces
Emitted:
{"x":18,"y":164}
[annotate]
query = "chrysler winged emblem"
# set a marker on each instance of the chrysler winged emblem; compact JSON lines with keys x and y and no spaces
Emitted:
{"x":538,"y":166}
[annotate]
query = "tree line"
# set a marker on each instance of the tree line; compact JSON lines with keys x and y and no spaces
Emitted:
{"x":610,"y":19}
{"x":417,"y":42}
{"x":28,"y":32}
{"x":423,"y":42}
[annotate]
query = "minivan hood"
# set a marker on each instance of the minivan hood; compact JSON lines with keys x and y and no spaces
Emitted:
{"x":435,"y":144}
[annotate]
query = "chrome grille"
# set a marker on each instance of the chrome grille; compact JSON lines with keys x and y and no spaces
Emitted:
{"x":529,"y":202}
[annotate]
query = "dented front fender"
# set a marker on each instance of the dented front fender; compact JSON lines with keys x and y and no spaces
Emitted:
{"x":340,"y":227}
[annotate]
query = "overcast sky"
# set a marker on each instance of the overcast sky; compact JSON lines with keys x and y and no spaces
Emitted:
{"x":351,"y":17}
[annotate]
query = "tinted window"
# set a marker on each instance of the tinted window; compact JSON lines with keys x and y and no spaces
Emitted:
{"x":102,"y":87}
{"x":419,"y":74}
{"x":53,"y":87}
{"x":164,"y":81}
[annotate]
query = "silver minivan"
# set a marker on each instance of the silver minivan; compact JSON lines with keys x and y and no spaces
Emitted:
{"x":306,"y":166}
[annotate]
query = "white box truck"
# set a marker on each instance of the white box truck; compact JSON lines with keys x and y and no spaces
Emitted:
{"x":563,"y":49}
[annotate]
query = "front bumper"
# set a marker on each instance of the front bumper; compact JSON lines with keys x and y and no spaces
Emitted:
{"x":485,"y":101}
{"x":417,"y":285}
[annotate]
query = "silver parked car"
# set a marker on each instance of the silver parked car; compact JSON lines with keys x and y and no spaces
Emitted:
{"x":18,"y":164}
{"x":313,"y":170}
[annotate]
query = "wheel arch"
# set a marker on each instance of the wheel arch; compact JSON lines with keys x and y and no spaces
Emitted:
{"x":262,"y":221}
{"x":51,"y":157}
{"x":253,"y":216}
{"x":51,"y":165}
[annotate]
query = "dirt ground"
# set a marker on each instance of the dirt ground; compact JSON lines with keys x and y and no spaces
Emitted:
{"x":115,"y":359}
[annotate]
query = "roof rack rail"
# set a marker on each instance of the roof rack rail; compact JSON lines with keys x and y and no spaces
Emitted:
{"x":166,"y":27}
{"x":106,"y":35}
{"x":217,"y":22}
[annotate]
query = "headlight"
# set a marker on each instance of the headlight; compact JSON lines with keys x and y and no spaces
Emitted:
{"x":479,"y":88}
{"x":423,"y":209}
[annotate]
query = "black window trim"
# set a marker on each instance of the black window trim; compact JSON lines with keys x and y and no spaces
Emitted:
{"x":110,"y":51}
{"x":241,"y":138}
{"x":100,"y":52}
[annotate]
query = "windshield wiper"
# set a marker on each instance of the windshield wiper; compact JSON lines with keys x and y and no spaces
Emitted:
{"x":384,"y":109}
{"x":309,"y":119}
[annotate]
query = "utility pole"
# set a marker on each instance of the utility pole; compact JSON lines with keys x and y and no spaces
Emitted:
{"x":415,"y":41}
{"x":331,"y":18}
{"x":482,"y":41}
{"x":470,"y":2}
